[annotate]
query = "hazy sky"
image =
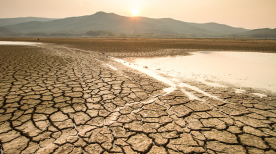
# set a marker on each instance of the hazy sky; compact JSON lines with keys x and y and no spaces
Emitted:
{"x":249,"y":14}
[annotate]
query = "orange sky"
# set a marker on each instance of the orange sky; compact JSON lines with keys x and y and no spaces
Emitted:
{"x":249,"y":14}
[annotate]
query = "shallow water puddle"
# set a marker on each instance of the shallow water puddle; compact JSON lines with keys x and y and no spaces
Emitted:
{"x":239,"y":91}
{"x":197,"y":89}
{"x":147,"y":71}
{"x":243,"y":69}
{"x":190,"y":95}
{"x":112,"y":67}
{"x":150,"y":73}
{"x":17,"y":43}
{"x":174,"y":82}
{"x":259,"y":94}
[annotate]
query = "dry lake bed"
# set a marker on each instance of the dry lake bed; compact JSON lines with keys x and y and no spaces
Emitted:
{"x":60,"y":98}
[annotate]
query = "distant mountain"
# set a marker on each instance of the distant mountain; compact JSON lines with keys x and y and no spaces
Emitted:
{"x":220,"y":28}
{"x":5,"y":31}
{"x":259,"y":33}
{"x":121,"y":24}
{"x":13,"y":21}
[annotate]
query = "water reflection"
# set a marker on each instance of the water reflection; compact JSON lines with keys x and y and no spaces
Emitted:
{"x":17,"y":43}
{"x":205,"y":52}
{"x":244,"y":69}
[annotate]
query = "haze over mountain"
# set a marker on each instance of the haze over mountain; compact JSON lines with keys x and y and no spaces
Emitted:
{"x":221,"y":28}
{"x":259,"y":33}
{"x":117,"y":24}
{"x":12,"y":21}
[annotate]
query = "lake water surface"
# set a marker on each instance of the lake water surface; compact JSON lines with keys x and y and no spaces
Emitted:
{"x":17,"y":43}
{"x":244,"y":69}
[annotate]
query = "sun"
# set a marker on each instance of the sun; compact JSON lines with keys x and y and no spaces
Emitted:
{"x":135,"y":12}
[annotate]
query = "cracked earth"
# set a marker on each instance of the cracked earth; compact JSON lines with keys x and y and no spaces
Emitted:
{"x":55,"y":99}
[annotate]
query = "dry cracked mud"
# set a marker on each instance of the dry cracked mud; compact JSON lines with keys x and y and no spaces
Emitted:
{"x":55,"y":99}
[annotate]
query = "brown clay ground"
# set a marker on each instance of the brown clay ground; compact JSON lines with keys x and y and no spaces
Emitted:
{"x":55,"y":99}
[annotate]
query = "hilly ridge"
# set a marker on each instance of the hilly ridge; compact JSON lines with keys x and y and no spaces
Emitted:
{"x":118,"y":24}
{"x":124,"y":25}
{"x":262,"y":31}
{"x":13,"y":21}
{"x":221,"y":28}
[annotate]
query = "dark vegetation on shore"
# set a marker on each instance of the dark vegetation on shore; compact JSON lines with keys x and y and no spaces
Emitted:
{"x":121,"y":47}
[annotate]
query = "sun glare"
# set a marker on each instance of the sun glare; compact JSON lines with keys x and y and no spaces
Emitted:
{"x":135,"y":12}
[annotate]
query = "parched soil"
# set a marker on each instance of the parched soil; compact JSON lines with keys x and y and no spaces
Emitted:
{"x":56,"y":99}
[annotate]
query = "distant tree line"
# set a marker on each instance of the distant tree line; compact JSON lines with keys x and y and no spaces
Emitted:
{"x":99,"y":33}
{"x":57,"y":34}
{"x":264,"y":35}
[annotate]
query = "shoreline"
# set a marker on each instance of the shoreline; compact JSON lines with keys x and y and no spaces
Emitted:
{"x":130,"y":62}
{"x":132,"y":46}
